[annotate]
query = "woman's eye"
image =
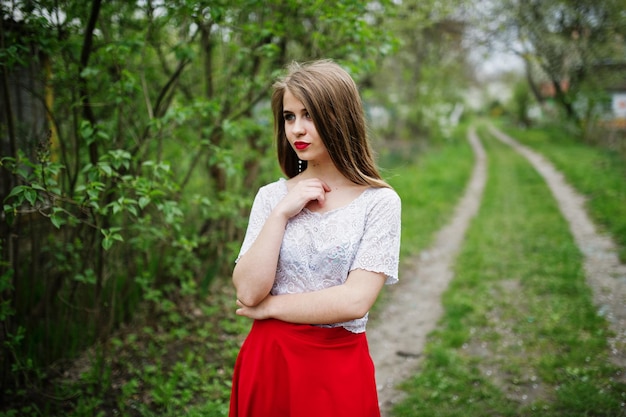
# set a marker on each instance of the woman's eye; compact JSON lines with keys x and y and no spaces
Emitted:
{"x":288,"y":117}
{"x":307,"y":115}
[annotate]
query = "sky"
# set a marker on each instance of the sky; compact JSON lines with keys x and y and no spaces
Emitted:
{"x":498,"y":63}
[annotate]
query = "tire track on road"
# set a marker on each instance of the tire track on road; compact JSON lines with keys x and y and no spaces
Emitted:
{"x":398,"y":336}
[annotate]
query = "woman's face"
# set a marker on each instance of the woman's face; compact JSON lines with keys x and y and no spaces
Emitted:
{"x":301,"y":132}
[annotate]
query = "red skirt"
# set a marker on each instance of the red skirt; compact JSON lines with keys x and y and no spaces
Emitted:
{"x":295,"y":370}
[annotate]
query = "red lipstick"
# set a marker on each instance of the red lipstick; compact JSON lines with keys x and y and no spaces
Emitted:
{"x":301,"y":145}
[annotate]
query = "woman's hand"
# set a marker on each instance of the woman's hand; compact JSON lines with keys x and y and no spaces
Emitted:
{"x":258,"y":312}
{"x":255,"y":272}
{"x":301,"y":194}
{"x":348,"y":301}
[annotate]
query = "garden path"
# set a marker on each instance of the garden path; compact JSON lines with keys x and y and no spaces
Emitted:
{"x":398,"y":335}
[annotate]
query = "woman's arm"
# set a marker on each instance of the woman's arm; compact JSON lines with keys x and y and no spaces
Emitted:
{"x":255,"y":271}
{"x":349,"y":301}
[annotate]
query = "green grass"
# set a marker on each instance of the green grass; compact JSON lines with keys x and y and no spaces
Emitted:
{"x":599,"y":174}
{"x":520,"y":335}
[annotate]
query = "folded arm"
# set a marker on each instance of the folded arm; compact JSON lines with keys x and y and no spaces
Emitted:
{"x":349,"y":301}
{"x":255,"y":272}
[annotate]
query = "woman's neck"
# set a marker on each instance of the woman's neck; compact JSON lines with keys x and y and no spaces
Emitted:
{"x":327,"y":173}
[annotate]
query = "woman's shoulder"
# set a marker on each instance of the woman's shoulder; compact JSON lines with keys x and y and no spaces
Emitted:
{"x":277,"y":188}
{"x":384,"y":194}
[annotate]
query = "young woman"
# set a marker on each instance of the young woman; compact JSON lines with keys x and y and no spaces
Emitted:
{"x":319,"y":247}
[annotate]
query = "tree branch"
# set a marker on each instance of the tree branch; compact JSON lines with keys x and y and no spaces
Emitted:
{"x":84,"y":61}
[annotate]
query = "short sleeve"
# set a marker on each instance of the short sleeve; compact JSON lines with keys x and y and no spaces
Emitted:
{"x":379,"y":248}
{"x":261,"y":209}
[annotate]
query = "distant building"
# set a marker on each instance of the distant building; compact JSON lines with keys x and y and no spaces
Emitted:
{"x":618,"y":105}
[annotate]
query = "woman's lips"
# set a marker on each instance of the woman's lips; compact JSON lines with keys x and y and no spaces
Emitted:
{"x":301,"y":145}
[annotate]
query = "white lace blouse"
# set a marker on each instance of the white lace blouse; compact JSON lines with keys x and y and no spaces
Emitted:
{"x":320,"y":249}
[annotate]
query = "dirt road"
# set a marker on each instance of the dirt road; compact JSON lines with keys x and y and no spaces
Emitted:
{"x":398,"y":335}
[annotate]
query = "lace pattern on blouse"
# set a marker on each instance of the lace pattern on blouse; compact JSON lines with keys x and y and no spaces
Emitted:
{"x":320,"y":249}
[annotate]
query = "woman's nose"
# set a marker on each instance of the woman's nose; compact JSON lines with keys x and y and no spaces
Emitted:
{"x":298,"y":126}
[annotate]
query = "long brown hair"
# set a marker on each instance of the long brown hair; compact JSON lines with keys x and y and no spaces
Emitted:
{"x":332,"y":99}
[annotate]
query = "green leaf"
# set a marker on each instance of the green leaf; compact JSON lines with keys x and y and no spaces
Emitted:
{"x":86,"y":131}
{"x":143,"y":202}
{"x":31,"y":196}
{"x":106,"y":168}
{"x":107,"y":243}
{"x":93,"y":194}
{"x":57,"y":221}
{"x":16,"y":191}
{"x":56,"y":217}
{"x":88,"y":277}
{"x":109,"y":236}
{"x":89,"y":72}
{"x":117,"y":207}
